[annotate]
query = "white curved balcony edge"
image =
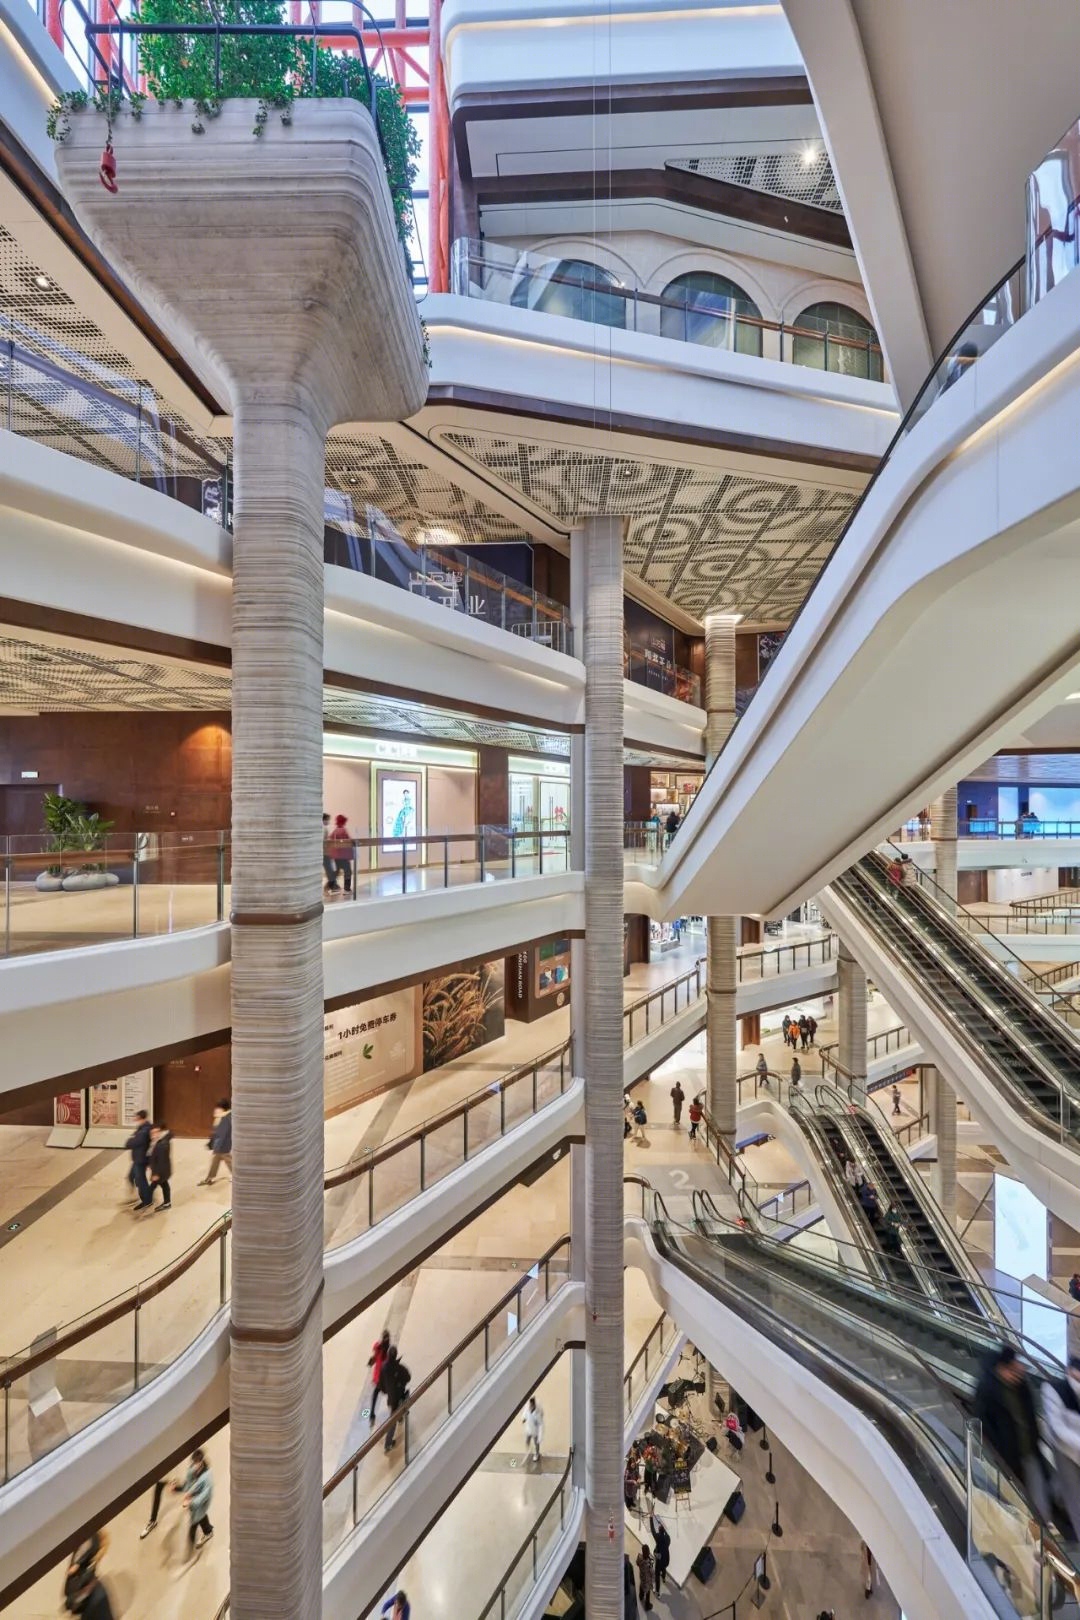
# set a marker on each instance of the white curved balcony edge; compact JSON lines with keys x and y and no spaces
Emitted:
{"x":553,"y":358}
{"x":979,"y":854}
{"x":964,"y":540}
{"x":863,"y":1475}
{"x":1048,"y":1167}
{"x":43,"y":1508}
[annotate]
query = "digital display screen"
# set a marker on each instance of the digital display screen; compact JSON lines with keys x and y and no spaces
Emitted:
{"x":1019,"y":1230}
{"x":1044,"y":1324}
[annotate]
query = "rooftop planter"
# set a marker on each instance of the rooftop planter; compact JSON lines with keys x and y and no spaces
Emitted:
{"x":261,"y":224}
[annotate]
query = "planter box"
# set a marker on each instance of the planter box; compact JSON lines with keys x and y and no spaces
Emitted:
{"x":269,"y":261}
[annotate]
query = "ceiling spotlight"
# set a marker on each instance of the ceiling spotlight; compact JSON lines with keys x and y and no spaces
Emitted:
{"x":42,"y":281}
{"x":809,"y":155}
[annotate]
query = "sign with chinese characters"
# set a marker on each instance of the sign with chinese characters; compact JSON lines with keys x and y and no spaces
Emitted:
{"x":69,"y":1108}
{"x":370,"y":1045}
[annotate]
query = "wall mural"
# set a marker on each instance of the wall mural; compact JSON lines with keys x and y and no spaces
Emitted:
{"x":463,"y":1011}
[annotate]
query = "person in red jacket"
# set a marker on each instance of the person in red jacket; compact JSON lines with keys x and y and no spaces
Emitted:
{"x":696,"y":1112}
{"x":376,"y":1361}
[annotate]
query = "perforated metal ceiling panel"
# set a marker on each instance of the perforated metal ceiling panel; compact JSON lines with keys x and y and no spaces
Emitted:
{"x":705,"y":539}
{"x":40,"y":677}
{"x":370,"y":470}
{"x":795,"y":175}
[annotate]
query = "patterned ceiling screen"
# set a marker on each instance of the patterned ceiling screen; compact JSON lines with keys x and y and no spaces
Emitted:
{"x":370,"y":471}
{"x":38,"y":676}
{"x":702,"y":538}
{"x":805,"y":177}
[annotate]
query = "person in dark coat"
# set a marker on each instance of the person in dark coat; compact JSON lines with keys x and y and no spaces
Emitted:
{"x":160,"y":1165}
{"x":220,"y":1143}
{"x":92,"y":1601}
{"x":1005,"y":1407}
{"x":394,"y":1382}
{"x":138,"y":1145}
{"x":662,"y":1544}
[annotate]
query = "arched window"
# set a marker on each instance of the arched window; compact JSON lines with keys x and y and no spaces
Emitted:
{"x":834,"y":337}
{"x":571,"y":287}
{"x":701,"y":307}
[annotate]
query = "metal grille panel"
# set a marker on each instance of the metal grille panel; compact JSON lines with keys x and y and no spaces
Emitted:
{"x":780,"y":174}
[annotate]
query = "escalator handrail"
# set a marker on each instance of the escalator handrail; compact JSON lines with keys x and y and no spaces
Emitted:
{"x":1024,"y":1101}
{"x":925,"y":881}
{"x":875,"y":1265}
{"x":888,"y":1406}
{"x":967,"y":1324}
{"x":966,"y":1271}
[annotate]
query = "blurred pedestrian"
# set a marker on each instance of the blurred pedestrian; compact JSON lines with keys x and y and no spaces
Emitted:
{"x":138,"y":1145}
{"x":662,"y":1548}
{"x":379,"y":1352}
{"x":1061,"y":1412}
{"x":678,"y":1097}
{"x":1005,"y":1407}
{"x":533,"y":1421}
{"x":696,"y":1112}
{"x":646,"y":1578}
{"x":197,"y":1487}
{"x":220,"y":1143}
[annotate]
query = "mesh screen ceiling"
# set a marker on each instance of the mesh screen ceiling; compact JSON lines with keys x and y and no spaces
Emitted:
{"x":369,"y":469}
{"x":701,"y":538}
{"x":36,"y":676}
{"x":781,"y":174}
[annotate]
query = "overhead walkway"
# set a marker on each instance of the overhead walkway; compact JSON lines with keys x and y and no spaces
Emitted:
{"x":970,"y":513}
{"x":817,"y":1351}
{"x":1013,"y":1061}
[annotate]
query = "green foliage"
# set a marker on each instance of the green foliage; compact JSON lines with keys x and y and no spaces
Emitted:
{"x":72,"y":827}
{"x":107,"y":102}
{"x":181,"y":67}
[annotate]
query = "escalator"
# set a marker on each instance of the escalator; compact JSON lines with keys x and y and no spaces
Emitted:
{"x":907,"y":1366}
{"x":932,"y":1256}
{"x":1027,"y":1051}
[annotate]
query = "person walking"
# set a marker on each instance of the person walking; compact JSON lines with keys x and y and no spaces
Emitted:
{"x":160,"y":1166}
{"x":394,"y":1380}
{"x":138,"y":1145}
{"x":91,"y":1600}
{"x":662,"y":1550}
{"x":197,"y":1489}
{"x":82,"y":1567}
{"x":1074,"y":1286}
{"x":1005,"y":1407}
{"x":812,"y":1022}
{"x":796,"y":1074}
{"x":851,"y":1173}
{"x":646,"y":1578}
{"x":678,"y":1097}
{"x":376,"y":1361}
{"x":761,"y":1069}
{"x":340,"y":850}
{"x":804,"y":1031}
{"x":786,"y":1026}
{"x":533,"y":1421}
{"x":397,"y":1607}
{"x":696,"y":1112}
{"x":155,"y":1509}
{"x":220,"y":1143}
{"x":641,"y":1119}
{"x":327,"y":859}
{"x":896,"y":1101}
{"x":1061,"y":1412}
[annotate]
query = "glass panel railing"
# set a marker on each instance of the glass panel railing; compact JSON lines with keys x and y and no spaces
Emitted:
{"x":497,"y":274}
{"x":917,"y":830}
{"x":95,"y":890}
{"x":659,"y":674}
{"x":1053,"y":206}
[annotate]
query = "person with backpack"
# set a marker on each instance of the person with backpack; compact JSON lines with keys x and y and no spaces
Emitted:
{"x":696,"y":1112}
{"x":220,"y":1143}
{"x":197,"y":1487}
{"x":641,"y":1119}
{"x":394,"y":1380}
{"x":379,"y":1352}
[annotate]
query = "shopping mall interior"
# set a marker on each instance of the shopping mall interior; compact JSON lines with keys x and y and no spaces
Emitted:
{"x":539,"y":810}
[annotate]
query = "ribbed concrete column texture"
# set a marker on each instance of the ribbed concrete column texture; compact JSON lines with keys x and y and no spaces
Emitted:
{"x":942,"y":1110}
{"x":603,"y":1053}
{"x":943,"y":834}
{"x":943,"y":1119}
{"x":721,"y":1028}
{"x":274,"y":267}
{"x":851,"y":1015}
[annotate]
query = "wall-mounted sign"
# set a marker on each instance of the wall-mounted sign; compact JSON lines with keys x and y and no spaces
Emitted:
{"x":114,"y":1105}
{"x":69,"y":1120}
{"x":370,"y":1045}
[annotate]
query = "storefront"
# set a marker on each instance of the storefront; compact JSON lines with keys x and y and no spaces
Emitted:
{"x":674,"y":790}
{"x":539,"y":797}
{"x":395,"y":790}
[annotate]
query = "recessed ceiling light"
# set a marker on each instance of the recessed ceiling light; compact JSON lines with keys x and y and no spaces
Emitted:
{"x":809,"y":155}
{"x":42,"y":281}
{"x":1073,"y":697}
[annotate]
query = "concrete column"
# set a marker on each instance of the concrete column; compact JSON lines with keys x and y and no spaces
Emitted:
{"x":943,"y":834}
{"x":852,"y":1022}
{"x":275,"y":1376}
{"x":602,"y":539}
{"x":578,"y":979}
{"x":943,"y":1116}
{"x":941,"y":1107}
{"x":721,"y":1044}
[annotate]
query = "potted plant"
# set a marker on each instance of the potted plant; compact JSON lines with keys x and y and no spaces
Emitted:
{"x":73,"y":829}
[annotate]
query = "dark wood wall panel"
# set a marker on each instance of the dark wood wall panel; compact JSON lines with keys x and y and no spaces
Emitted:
{"x":186,"y":1090}
{"x":492,"y":787}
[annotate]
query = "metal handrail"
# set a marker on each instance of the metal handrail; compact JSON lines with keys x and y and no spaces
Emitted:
{"x":481,"y":1330}
{"x":1062,"y":900}
{"x":497,"y":1596}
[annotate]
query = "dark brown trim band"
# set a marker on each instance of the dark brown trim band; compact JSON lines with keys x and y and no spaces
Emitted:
{"x":275,"y":919}
{"x":57,"y":621}
{"x":277,"y":1335}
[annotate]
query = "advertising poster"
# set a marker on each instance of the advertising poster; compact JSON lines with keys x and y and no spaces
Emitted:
{"x":463,"y":1011}
{"x":136,"y":1093}
{"x":69,"y":1120}
{"x":368,"y":1046}
{"x":105,"y":1104}
{"x":399,"y":810}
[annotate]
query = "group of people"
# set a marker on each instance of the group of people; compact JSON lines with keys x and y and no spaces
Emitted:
{"x":337,"y":854}
{"x":150,"y":1147}
{"x":799,"y":1032}
{"x":197,"y":1490}
{"x":390,"y":1378}
{"x":652,"y":1564}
